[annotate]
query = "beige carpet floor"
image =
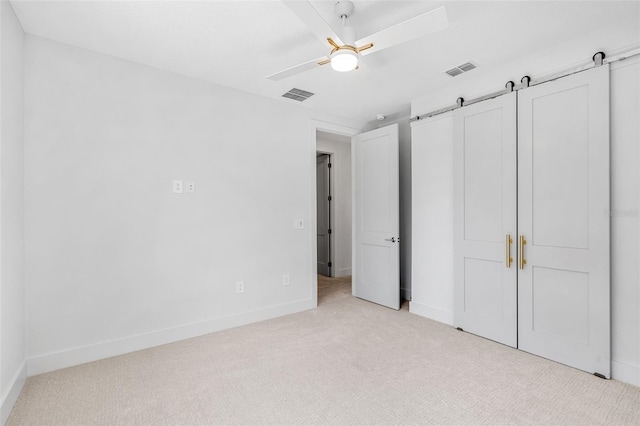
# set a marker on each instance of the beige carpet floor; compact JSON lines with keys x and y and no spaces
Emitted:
{"x":346,"y":362}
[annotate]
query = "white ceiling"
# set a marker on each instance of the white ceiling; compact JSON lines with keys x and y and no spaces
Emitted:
{"x":238,"y":43}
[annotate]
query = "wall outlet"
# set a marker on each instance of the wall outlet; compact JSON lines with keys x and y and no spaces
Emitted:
{"x":177,"y":187}
{"x":285,"y":279}
{"x":190,"y":187}
{"x":240,"y":287}
{"x":298,"y":224}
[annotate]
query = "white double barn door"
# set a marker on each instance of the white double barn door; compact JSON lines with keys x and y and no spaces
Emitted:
{"x":532,"y":233}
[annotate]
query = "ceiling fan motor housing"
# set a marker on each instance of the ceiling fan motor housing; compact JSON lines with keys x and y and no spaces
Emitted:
{"x":349,"y":36}
{"x":344,"y":9}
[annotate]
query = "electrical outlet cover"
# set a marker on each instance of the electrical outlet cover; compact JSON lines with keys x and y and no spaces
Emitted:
{"x":177,"y":187}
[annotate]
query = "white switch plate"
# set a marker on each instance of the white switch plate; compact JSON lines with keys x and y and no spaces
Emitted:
{"x":298,"y":224}
{"x":177,"y":187}
{"x":190,"y":187}
{"x":285,"y":279}
{"x":240,"y":287}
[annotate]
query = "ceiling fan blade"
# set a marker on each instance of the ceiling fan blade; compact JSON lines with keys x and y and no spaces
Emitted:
{"x":312,"y":19}
{"x":299,"y":68}
{"x":421,"y":25}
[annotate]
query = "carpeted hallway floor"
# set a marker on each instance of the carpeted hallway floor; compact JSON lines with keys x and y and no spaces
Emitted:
{"x":346,"y":362}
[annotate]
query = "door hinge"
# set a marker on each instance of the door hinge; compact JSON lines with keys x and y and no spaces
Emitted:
{"x":600,"y":375}
{"x":329,"y":165}
{"x":329,"y":264}
{"x":329,"y":231}
{"x":329,"y":197}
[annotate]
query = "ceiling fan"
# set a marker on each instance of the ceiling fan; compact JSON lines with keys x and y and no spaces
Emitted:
{"x":346,"y":50}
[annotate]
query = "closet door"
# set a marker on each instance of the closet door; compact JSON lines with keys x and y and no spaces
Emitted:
{"x":563,"y":203}
{"x":485,"y":293}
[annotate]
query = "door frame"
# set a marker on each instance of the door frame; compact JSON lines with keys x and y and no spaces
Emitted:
{"x":314,"y":126}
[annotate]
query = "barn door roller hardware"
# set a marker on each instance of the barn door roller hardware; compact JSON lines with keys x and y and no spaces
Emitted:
{"x":510,"y":85}
{"x":598,"y":58}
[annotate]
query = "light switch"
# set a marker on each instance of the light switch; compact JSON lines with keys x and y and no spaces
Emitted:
{"x":298,"y":224}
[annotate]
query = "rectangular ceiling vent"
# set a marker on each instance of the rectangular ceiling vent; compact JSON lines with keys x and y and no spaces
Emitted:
{"x":454,"y":71}
{"x":298,"y":95}
{"x":468,"y":66}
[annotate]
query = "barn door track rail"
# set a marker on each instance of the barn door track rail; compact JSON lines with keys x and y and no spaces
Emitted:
{"x":597,"y":60}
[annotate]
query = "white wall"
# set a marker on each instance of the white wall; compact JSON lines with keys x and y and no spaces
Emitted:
{"x":432,"y":203}
{"x":433,"y":281}
{"x":12,"y":324}
{"x":625,"y":229}
{"x":340,"y":149}
{"x":115,"y":261}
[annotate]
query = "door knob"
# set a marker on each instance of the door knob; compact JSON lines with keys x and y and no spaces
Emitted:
{"x":392,"y":239}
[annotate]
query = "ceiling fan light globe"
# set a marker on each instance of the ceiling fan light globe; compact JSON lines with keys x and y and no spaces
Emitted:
{"x":344,"y":60}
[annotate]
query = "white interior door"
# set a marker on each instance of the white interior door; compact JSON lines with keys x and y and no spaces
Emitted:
{"x":485,"y":288}
{"x":376,"y":227}
{"x":563,"y":200}
{"x":323,"y":214}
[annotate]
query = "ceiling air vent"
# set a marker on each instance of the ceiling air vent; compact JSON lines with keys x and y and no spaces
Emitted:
{"x":298,"y":95}
{"x":468,"y":66}
{"x":454,"y":71}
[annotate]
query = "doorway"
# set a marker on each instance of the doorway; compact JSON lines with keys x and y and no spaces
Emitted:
{"x":333,"y":208}
{"x":375,"y":243}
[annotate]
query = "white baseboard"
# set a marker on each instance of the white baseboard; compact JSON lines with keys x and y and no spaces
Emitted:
{"x":80,"y":355}
{"x":625,"y":372}
{"x":345,"y":272}
{"x":431,"y":313}
{"x":11,"y":396}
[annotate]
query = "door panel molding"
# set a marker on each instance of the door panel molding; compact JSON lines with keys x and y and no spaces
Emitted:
{"x":376,"y":216}
{"x":485,"y":291}
{"x":566,"y":145}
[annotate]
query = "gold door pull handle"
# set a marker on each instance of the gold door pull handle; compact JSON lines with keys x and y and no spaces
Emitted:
{"x":523,"y":261}
{"x":508,"y":244}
